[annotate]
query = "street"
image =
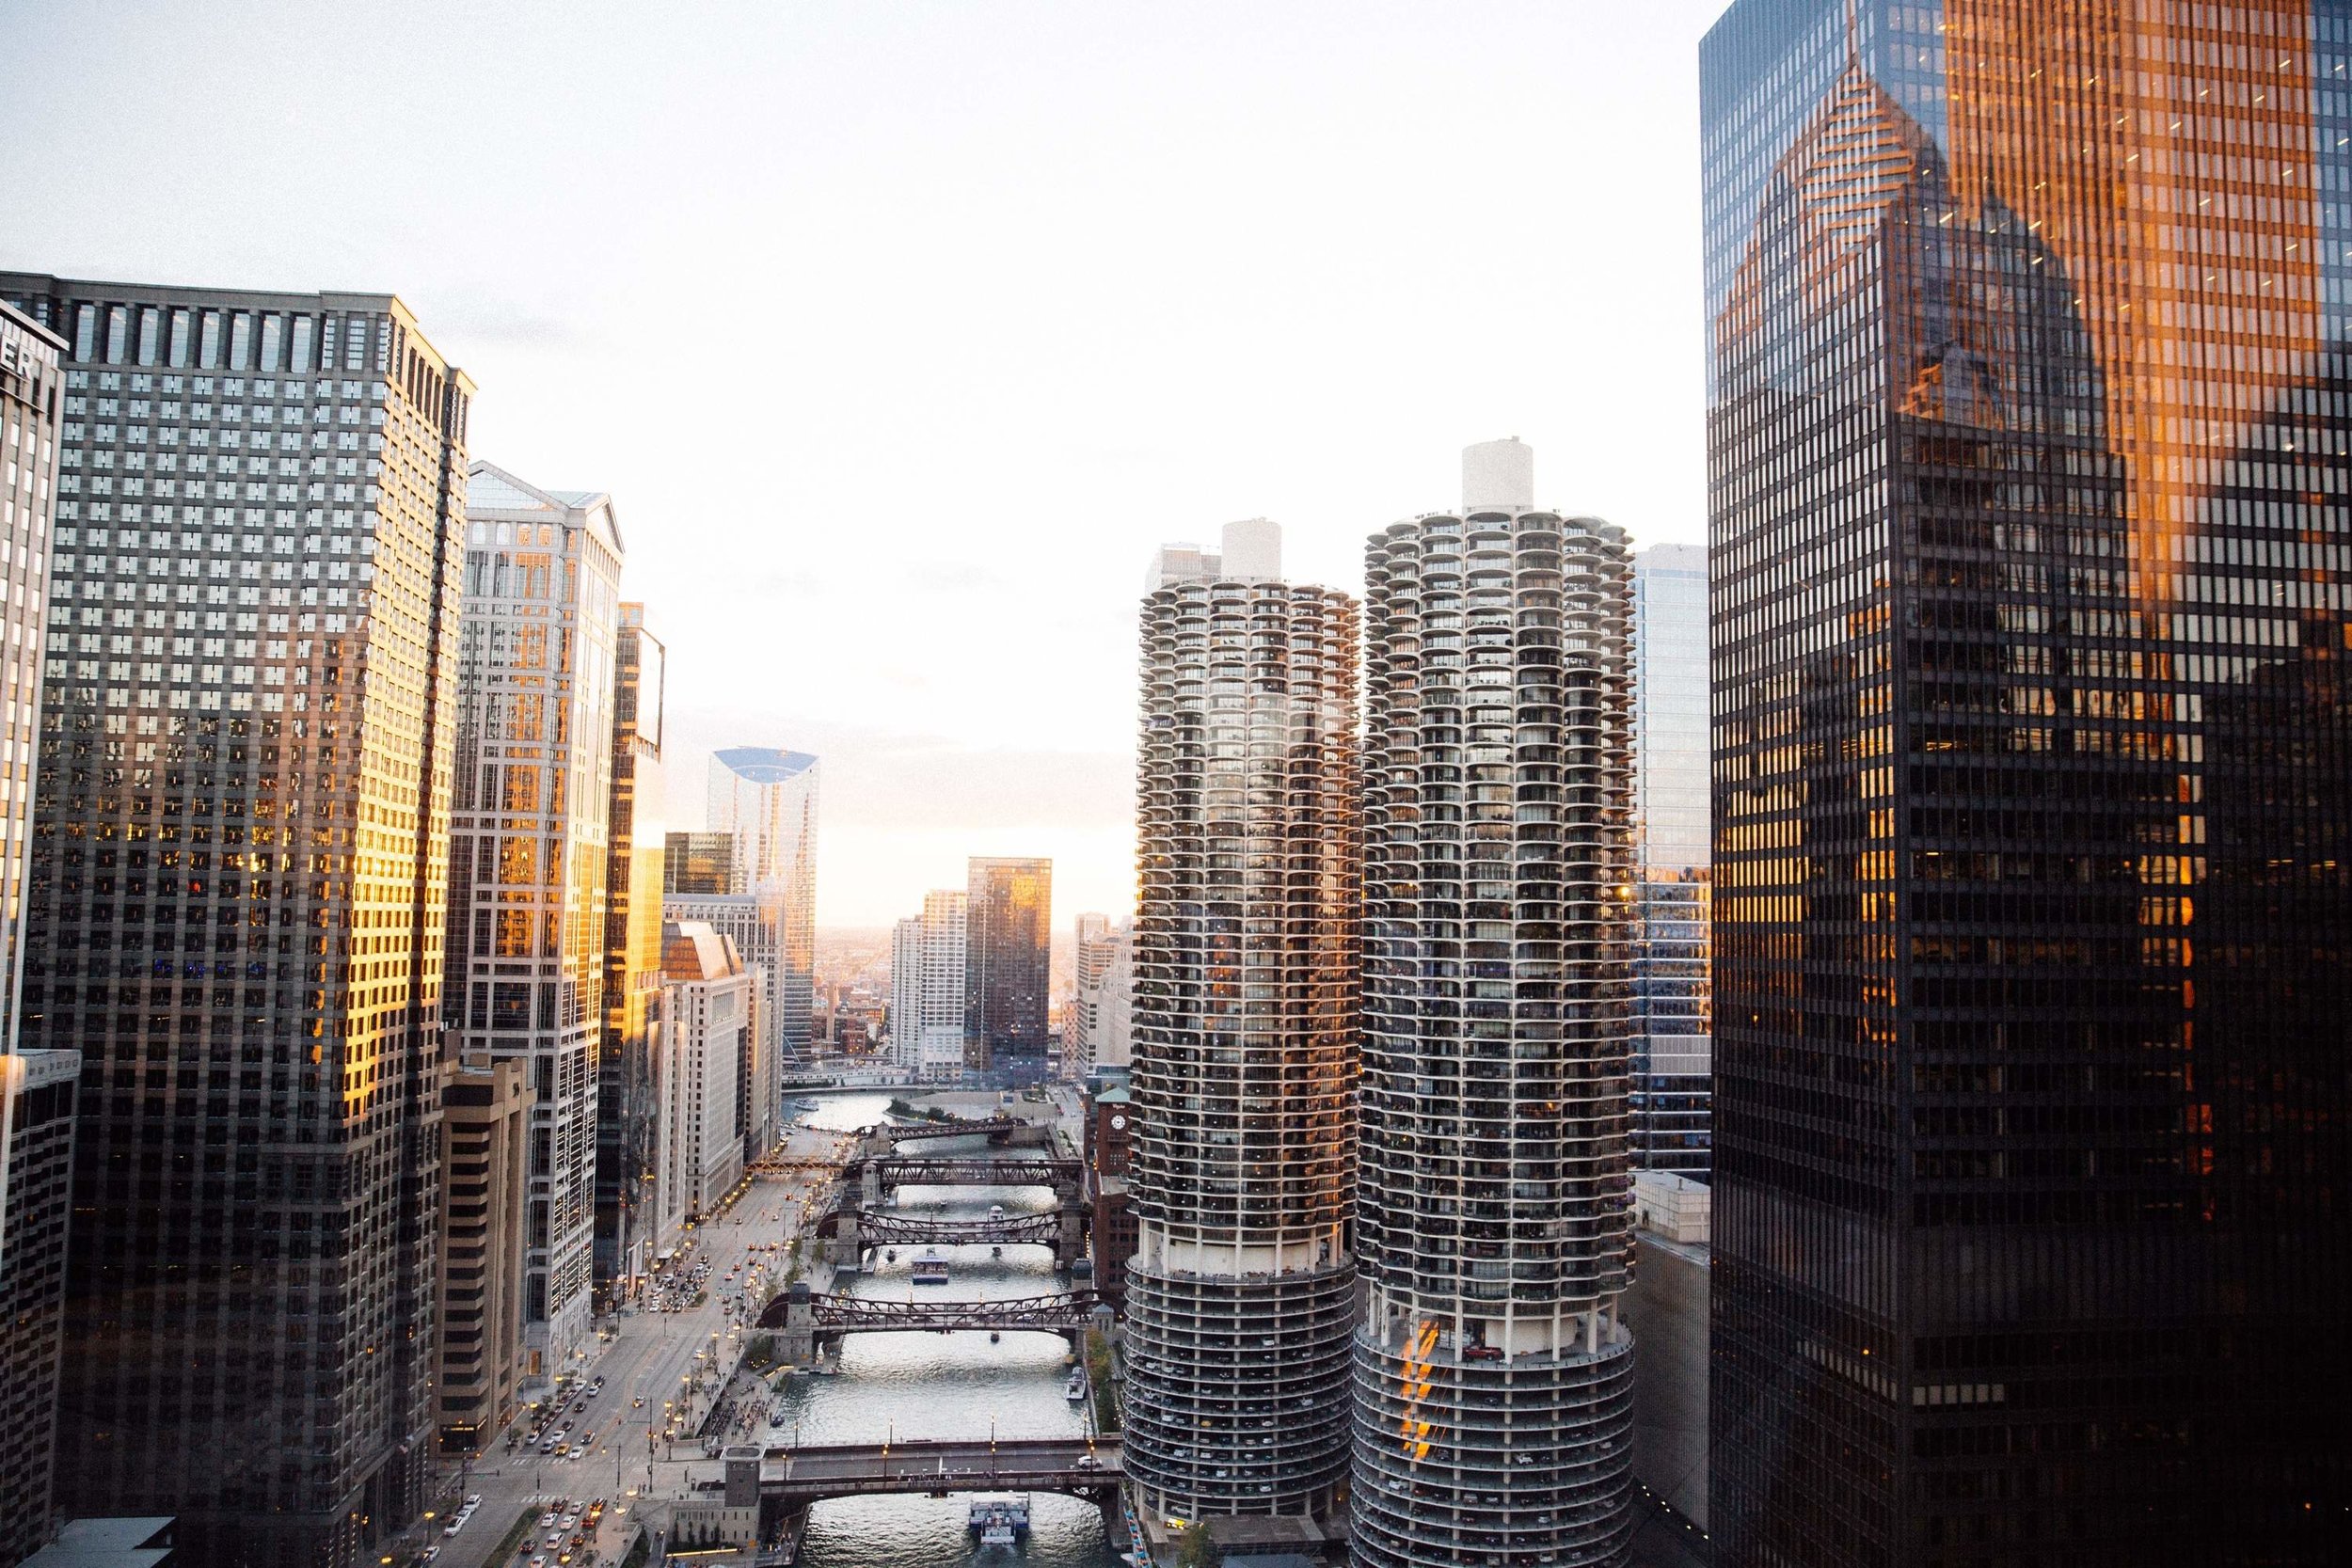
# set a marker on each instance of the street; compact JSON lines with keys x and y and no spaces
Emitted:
{"x":662,"y":1359}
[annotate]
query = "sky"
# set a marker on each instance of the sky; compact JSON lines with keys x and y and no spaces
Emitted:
{"x":902,"y":334}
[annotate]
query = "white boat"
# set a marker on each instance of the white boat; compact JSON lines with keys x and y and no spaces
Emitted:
{"x":996,"y":1211}
{"x":999,"y":1520}
{"x":1074,"y":1388}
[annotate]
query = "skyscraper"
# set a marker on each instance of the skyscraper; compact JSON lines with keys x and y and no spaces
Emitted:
{"x":2028,"y":417}
{"x":705,"y":882}
{"x":1239,"y":1294}
{"x":927,"y":959}
{"x":529,"y":851}
{"x":767,"y":799}
{"x":486,"y":1141}
{"x":37,"y":1092}
{"x":710,"y":1005}
{"x":237,"y":889}
{"x":1493,"y":1378}
{"x":1100,"y":972}
{"x":1008,"y":913}
{"x":1670,"y":1043}
{"x":628,"y":1066}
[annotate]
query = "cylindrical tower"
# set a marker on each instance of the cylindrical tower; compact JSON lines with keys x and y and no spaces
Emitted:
{"x":1493,"y":1380}
{"x":1240,"y":1296}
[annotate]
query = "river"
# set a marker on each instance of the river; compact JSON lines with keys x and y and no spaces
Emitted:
{"x":925,"y":1385}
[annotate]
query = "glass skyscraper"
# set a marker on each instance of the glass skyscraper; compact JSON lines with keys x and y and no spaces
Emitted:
{"x":240,"y":848}
{"x":1493,"y":1373}
{"x":1008,"y":913}
{"x":628,"y":1067}
{"x":2033,"y":824}
{"x":765,"y":800}
{"x":527,"y":854}
{"x":1670,"y":1044}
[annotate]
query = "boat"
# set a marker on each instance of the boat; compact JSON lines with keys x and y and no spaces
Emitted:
{"x":996,"y":1211}
{"x":999,"y":1520}
{"x":996,"y":1252}
{"x":1074,"y":1388}
{"x":891,"y":1254}
{"x":931,"y":1269}
{"x":995,"y":1337}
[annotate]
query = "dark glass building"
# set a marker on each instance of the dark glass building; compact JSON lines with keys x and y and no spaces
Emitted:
{"x":1008,"y":914}
{"x":629,"y":1064}
{"x":2032,"y":819}
{"x":235,"y":906}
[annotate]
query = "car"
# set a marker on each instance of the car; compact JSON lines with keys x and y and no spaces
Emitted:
{"x":1481,"y":1352}
{"x":430,"y":1553}
{"x":538,"y":1563}
{"x":638,"y":1403}
{"x":548,"y":1447}
{"x":474,"y":1500}
{"x":1087,"y":1462}
{"x":547,"y":1521}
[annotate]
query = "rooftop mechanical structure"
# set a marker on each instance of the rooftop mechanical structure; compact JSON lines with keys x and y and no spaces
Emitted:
{"x":1493,"y":1380}
{"x":1246,"y":955}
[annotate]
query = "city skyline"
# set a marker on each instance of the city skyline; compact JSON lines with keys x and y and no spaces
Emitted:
{"x":991,"y":133}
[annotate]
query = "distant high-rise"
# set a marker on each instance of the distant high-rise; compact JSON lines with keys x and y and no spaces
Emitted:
{"x":1670,"y":1042}
{"x":1241,"y":1292}
{"x":2032,"y":602}
{"x":706,"y":882}
{"x":37,"y":1093}
{"x":1008,"y":914}
{"x":628,"y":1067}
{"x":529,"y":849}
{"x":237,"y":899}
{"x":1098,"y":1014}
{"x":1493,"y":1377}
{"x":927,"y":960}
{"x":767,"y":801}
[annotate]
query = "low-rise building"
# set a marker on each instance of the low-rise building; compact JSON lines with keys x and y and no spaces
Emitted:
{"x":1667,"y":1307}
{"x":485,"y":1136}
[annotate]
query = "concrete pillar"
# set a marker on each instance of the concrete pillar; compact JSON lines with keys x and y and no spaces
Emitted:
{"x":848,"y":1248}
{"x":871,"y":1189}
{"x":800,"y":1325}
{"x":1070,"y":1244}
{"x":743,"y":1475}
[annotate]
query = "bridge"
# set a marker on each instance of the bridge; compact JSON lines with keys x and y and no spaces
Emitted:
{"x":1020,"y":1170}
{"x":810,"y":1321}
{"x":1000,"y":1130}
{"x":782,"y":1482}
{"x":854,"y":1216}
{"x":893,"y":1228}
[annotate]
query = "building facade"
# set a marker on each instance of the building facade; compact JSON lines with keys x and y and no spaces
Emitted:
{"x":2026,"y":414}
{"x":1100,"y":1013}
{"x":928,"y":956}
{"x":37,"y":1105}
{"x":766,"y":801}
{"x":631,"y":1058}
{"x":710,"y":1004}
{"x":1008,"y":913}
{"x":1240,"y":1292}
{"x":1671,"y":997}
{"x":36,"y":1092}
{"x":529,"y":851}
{"x":486,"y":1142}
{"x":707,"y":883}
{"x":240,"y":842}
{"x":1493,"y":1375}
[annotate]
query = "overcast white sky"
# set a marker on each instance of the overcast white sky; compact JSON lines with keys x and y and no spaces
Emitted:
{"x":902,"y":333}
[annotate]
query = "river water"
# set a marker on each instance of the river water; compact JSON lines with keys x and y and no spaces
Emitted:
{"x":950,"y":1385}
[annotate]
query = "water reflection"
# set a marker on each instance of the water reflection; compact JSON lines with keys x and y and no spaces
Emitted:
{"x":932,"y":1386}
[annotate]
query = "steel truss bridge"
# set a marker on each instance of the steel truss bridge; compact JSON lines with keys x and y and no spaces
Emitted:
{"x":1015,"y":1171}
{"x":885,"y":1227}
{"x":1067,"y":1312}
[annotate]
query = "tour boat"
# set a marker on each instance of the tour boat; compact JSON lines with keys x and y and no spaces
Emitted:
{"x":999,"y":1520}
{"x":996,"y":1211}
{"x":931,"y":1269}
